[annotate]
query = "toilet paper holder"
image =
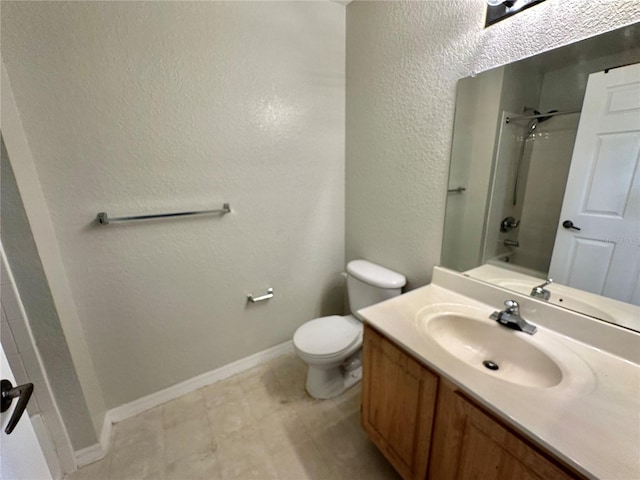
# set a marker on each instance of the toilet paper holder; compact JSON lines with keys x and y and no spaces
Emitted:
{"x":266,"y":296}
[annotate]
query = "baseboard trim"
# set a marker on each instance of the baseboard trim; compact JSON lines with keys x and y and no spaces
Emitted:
{"x":89,"y":454}
{"x":150,"y":401}
{"x":97,"y":451}
{"x":105,"y":435}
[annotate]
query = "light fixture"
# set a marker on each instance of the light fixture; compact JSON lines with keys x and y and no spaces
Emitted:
{"x":500,"y":9}
{"x":497,"y":3}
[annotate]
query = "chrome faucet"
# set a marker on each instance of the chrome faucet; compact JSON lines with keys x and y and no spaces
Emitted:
{"x":510,"y":317}
{"x":540,"y":292}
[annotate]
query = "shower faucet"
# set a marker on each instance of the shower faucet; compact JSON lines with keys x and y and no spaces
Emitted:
{"x":509,"y":224}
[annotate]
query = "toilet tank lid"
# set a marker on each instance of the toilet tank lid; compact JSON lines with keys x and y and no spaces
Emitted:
{"x":375,"y":274}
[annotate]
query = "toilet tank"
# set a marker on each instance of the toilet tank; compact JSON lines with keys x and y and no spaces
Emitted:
{"x":368,"y":284}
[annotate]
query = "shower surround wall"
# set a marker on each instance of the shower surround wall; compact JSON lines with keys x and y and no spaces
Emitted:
{"x":403,"y":62}
{"x":134,"y":108}
{"x":550,"y":158}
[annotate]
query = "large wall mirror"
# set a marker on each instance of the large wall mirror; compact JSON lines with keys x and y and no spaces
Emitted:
{"x":545,"y":177}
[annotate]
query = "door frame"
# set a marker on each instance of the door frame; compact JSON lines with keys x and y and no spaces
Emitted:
{"x":50,"y":429}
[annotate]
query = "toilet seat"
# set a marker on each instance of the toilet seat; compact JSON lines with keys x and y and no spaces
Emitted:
{"x":328,"y":336}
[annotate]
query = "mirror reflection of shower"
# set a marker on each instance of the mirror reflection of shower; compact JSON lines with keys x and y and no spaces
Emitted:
{"x":531,"y":127}
{"x":532,"y":160}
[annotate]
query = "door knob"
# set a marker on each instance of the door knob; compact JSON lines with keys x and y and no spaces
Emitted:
{"x":8,"y":393}
{"x":569,"y":224}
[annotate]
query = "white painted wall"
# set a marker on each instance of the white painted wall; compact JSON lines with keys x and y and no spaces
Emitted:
{"x":136,"y":108}
{"x":27,"y":227}
{"x":403,"y":62}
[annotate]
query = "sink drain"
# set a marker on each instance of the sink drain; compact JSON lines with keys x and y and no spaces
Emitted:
{"x":490,"y":365}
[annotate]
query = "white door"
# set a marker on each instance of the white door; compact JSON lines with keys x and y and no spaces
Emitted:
{"x":21,"y":457}
{"x":602,"y":196}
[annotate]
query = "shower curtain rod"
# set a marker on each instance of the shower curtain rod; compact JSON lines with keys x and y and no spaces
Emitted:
{"x":522,"y":117}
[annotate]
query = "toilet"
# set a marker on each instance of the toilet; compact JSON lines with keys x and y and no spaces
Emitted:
{"x":332,"y":346}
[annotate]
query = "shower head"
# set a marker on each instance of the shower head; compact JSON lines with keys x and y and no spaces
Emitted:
{"x":546,"y":117}
{"x":533,"y":124}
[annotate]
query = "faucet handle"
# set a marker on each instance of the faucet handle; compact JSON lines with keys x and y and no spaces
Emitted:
{"x":540,"y":292}
{"x":512,"y":306}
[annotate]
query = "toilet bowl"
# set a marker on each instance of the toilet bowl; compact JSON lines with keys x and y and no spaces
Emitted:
{"x":326,"y":345}
{"x":332,"y":346}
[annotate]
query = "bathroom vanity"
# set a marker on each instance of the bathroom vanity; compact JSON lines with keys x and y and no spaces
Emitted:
{"x":563,"y":403}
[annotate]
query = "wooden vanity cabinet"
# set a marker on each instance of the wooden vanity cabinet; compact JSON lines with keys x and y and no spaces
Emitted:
{"x":427,"y":428}
{"x":398,"y":404}
{"x":470,"y":444}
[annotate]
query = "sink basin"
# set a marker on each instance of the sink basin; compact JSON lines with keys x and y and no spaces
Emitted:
{"x":485,"y":345}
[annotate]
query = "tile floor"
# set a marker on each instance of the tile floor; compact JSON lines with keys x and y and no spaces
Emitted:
{"x":257,"y":425}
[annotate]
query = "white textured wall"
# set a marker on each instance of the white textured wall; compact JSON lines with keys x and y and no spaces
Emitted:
{"x":140,"y":108}
{"x":403,"y":62}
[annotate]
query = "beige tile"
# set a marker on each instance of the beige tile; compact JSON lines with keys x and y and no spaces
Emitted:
{"x":289,"y":368}
{"x":265,"y":380}
{"x":267,"y":395}
{"x":283,"y":430}
{"x":201,"y":466}
{"x":341,"y":442}
{"x":302,"y":461}
{"x":258,"y":425}
{"x":253,"y":372}
{"x":96,"y":471}
{"x":230,"y":418}
{"x":187,"y":438}
{"x":140,"y":461}
{"x":184,"y":408}
{"x":293,"y":392}
{"x":145,"y":426}
{"x":317,"y":414}
{"x":244,"y":457}
{"x":225,"y":391}
{"x":264,"y":402}
{"x":258,"y":377}
{"x":369,"y":465}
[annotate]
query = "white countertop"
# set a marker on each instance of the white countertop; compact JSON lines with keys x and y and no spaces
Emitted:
{"x":590,"y":420}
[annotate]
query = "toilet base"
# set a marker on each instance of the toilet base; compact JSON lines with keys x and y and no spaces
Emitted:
{"x":325,"y":383}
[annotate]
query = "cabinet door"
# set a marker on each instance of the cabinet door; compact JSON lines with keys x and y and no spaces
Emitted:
{"x":469,"y":444}
{"x":398,"y":402}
